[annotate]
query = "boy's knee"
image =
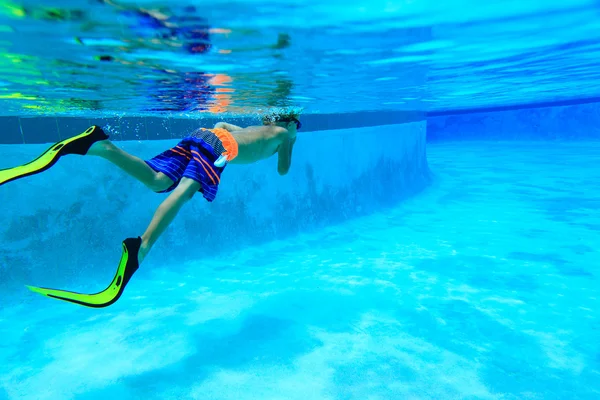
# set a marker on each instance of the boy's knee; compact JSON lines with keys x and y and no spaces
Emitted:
{"x":187,"y":188}
{"x":160,"y":183}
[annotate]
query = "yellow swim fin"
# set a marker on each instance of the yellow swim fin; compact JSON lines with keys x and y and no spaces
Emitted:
{"x":127,"y":267}
{"x":79,"y":144}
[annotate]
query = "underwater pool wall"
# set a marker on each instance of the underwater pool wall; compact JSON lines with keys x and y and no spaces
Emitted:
{"x":68,"y":222}
{"x":566,"y":121}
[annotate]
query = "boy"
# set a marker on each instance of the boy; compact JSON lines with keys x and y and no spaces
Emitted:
{"x":194,"y":165}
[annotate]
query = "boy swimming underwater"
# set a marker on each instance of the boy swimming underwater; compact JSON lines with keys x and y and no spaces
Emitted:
{"x":194,"y":165}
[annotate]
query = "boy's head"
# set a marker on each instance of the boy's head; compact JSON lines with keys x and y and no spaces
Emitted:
{"x":288,"y":120}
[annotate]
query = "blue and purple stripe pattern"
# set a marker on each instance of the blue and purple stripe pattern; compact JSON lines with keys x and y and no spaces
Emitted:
{"x":192,"y":158}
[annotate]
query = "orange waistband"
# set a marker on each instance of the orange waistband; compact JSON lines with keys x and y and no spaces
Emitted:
{"x":229,"y":143}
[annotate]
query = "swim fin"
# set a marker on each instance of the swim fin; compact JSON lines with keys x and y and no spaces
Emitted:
{"x":127,"y":267}
{"x":79,"y":144}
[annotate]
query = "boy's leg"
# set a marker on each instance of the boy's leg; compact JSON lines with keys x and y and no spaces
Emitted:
{"x":166,"y":212}
{"x":134,"y":166}
{"x":132,"y":248}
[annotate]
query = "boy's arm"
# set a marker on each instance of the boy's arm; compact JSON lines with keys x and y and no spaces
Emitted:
{"x":284,"y":160}
{"x":228,"y":127}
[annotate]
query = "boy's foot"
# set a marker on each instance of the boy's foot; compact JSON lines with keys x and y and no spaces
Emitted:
{"x":127,"y":267}
{"x":79,"y":144}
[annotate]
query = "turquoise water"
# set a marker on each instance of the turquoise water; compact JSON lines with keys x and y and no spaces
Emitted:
{"x":356,"y":276}
{"x":485,"y":286}
{"x":188,"y":57}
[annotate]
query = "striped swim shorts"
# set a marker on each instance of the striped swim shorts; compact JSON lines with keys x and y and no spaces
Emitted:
{"x":194,"y":157}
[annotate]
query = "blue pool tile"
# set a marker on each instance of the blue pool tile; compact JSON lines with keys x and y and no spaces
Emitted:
{"x":68,"y":127}
{"x":112,"y":126}
{"x":158,"y":128}
{"x":40,"y":130}
{"x":314,"y":122}
{"x":209,"y":123}
{"x":180,"y":127}
{"x":320,"y":122}
{"x":11,"y":132}
{"x":133,"y":128}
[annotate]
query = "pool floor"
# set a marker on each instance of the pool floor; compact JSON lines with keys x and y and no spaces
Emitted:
{"x":483,"y":287}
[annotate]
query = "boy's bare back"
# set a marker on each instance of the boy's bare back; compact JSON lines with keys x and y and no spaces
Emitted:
{"x":256,"y":143}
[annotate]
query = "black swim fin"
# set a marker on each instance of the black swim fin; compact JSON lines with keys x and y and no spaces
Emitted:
{"x":79,"y":144}
{"x":127,"y":267}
